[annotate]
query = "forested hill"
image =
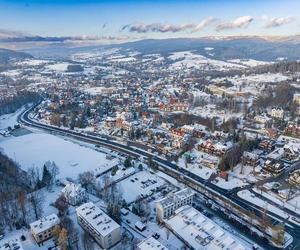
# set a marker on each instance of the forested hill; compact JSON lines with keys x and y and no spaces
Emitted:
{"x":280,"y":67}
{"x":6,"y":55}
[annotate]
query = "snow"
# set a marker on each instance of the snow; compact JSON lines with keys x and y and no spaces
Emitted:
{"x":292,"y":204}
{"x":72,"y":159}
{"x":10,"y":120}
{"x":250,"y":197}
{"x":59,"y":67}
{"x":133,"y":186}
{"x":189,"y":60}
{"x":232,"y":182}
{"x":249,"y":62}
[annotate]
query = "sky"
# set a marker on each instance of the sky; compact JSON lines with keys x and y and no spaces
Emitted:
{"x":120,"y":20}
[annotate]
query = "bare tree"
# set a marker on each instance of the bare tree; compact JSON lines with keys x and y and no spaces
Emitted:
{"x":36,"y":199}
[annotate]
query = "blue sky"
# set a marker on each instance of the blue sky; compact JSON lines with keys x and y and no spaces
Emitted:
{"x":151,"y":19}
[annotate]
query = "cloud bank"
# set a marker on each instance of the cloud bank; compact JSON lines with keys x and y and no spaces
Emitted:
{"x":278,"y":21}
{"x":163,"y":28}
{"x":240,"y":22}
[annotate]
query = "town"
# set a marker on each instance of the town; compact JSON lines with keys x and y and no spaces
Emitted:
{"x":151,"y":144}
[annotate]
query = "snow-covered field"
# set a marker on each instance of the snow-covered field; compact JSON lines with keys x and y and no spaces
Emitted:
{"x":249,"y":62}
{"x":72,"y":159}
{"x":9,"y":120}
{"x":59,"y":67}
{"x":187,"y":59}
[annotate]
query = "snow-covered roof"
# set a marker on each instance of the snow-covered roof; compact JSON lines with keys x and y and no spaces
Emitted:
{"x":201,"y":232}
{"x":72,"y":190}
{"x":97,"y":219}
{"x":180,"y":195}
{"x":44,"y":223}
{"x":151,"y":244}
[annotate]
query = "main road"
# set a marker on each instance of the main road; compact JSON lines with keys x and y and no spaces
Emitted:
{"x":136,"y":151}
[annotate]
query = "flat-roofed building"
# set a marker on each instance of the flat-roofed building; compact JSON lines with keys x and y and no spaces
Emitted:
{"x":167,"y":206}
{"x":201,"y":233}
{"x":42,"y":229}
{"x":99,"y":225}
{"x":151,"y":244}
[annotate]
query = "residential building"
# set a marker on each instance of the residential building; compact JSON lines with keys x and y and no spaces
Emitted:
{"x":294,"y":178}
{"x":277,"y":113}
{"x":167,"y":206}
{"x":99,"y":225}
{"x":42,"y":229}
{"x":296,"y":98}
{"x":273,"y":166}
{"x":293,"y":130}
{"x":151,"y":244}
{"x":267,"y":145}
{"x":199,"y":232}
{"x":250,"y":159}
{"x":291,"y":151}
{"x":74,"y":194}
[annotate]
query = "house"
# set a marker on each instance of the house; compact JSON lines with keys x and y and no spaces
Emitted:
{"x":263,"y":119}
{"x":74,"y":194}
{"x":151,"y":244}
{"x":266,"y":144}
{"x":250,"y":159}
{"x":293,"y":129}
{"x":296,"y":98}
{"x":99,"y":225}
{"x":291,"y":151}
{"x":218,"y":149}
{"x":294,"y":178}
{"x":271,"y":133}
{"x":277,"y":113}
{"x":273,"y":166}
{"x":167,"y":206}
{"x":43,"y":228}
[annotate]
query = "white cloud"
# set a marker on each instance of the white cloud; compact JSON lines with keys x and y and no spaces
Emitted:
{"x":278,"y":21}
{"x":163,"y":28}
{"x":240,"y":22}
{"x":203,"y":24}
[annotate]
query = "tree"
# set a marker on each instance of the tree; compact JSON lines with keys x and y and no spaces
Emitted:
{"x":128,"y":162}
{"x":47,"y":177}
{"x":63,"y":239}
{"x":114,"y":170}
{"x":87,"y":180}
{"x":36,"y":199}
{"x":87,"y":243}
{"x":22,"y":200}
{"x":62,"y":205}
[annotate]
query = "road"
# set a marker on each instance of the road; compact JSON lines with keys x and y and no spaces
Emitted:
{"x":136,"y":151}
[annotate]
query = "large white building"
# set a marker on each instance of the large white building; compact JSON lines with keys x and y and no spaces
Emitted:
{"x":167,"y":206}
{"x":74,"y":194}
{"x":200,"y":233}
{"x":296,"y":98}
{"x":151,"y":244}
{"x":42,"y":229}
{"x":277,"y":113}
{"x":99,"y":225}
